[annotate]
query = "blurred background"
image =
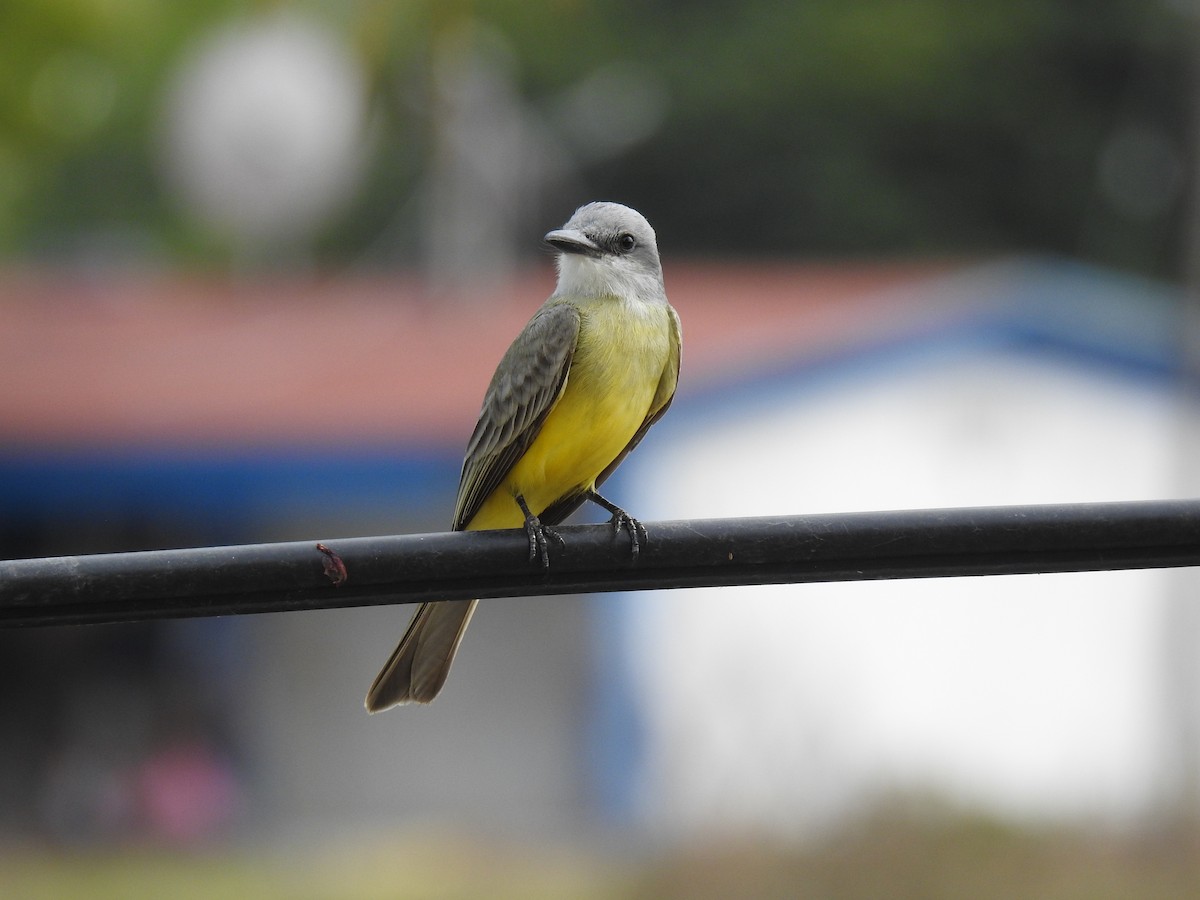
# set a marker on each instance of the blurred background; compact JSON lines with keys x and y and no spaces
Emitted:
{"x":257,"y":264}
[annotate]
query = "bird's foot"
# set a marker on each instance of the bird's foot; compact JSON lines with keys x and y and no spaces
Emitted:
{"x":622,"y":520}
{"x":539,"y":535}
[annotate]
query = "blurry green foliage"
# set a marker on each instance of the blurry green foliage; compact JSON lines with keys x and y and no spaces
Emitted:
{"x":80,"y":84}
{"x":815,"y":128}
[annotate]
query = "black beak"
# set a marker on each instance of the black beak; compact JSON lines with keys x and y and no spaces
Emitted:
{"x":570,"y":241}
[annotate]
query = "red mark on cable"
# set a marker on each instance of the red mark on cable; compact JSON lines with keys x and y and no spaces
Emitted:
{"x":335,"y":569}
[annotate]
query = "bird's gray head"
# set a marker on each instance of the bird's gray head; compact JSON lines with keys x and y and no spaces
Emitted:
{"x":608,"y":249}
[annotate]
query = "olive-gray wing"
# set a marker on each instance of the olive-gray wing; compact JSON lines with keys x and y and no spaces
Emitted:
{"x":525,"y":387}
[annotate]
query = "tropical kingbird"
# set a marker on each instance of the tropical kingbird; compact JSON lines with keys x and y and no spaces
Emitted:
{"x":578,"y":389}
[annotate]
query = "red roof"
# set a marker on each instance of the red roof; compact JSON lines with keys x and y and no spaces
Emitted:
{"x":168,"y":359}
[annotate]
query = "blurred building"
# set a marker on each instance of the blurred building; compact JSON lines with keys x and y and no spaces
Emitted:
{"x":1036,"y":697}
{"x":146,"y":412}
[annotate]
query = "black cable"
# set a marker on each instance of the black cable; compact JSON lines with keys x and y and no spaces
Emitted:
{"x":698,"y":553}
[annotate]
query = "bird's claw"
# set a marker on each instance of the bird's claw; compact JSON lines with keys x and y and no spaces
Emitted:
{"x":539,"y":535}
{"x":622,"y":520}
{"x":637,"y":531}
{"x":539,"y":541}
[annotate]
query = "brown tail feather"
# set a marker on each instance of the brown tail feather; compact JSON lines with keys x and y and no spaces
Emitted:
{"x":417,"y":668}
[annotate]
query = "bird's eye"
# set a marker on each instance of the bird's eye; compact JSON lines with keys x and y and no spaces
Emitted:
{"x":626,"y":242}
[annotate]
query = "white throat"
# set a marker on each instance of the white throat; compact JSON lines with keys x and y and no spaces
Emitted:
{"x":586,"y":276}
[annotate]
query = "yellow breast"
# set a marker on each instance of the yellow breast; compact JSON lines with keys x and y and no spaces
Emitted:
{"x":619,"y":358}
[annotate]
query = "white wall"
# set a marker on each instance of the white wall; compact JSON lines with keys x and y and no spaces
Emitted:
{"x":779,"y":707}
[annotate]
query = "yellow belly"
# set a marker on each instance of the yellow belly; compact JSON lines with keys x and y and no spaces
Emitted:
{"x":619,"y":359}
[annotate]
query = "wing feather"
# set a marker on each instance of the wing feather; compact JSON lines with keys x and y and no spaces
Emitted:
{"x":528,"y":382}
